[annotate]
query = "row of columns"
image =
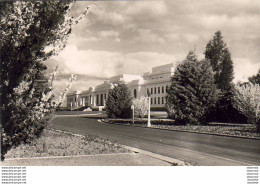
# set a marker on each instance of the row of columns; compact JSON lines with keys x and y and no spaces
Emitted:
{"x":89,"y":100}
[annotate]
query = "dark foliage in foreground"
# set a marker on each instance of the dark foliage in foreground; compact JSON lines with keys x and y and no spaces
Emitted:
{"x":27,"y":29}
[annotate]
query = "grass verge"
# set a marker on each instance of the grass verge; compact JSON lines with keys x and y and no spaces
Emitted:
{"x":57,"y":143}
{"x":243,"y":130}
{"x":239,"y":130}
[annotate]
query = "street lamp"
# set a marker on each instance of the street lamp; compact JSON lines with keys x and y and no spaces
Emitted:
{"x":149,"y":111}
{"x":133,"y":110}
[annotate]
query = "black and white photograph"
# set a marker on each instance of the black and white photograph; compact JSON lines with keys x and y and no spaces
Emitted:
{"x":130,"y":83}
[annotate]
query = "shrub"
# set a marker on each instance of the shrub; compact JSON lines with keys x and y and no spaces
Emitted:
{"x":119,"y":101}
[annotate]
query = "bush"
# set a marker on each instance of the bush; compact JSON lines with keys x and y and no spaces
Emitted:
{"x":192,"y":91}
{"x":119,"y":101}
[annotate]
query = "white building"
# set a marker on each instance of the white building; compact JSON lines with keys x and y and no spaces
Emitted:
{"x":155,"y":81}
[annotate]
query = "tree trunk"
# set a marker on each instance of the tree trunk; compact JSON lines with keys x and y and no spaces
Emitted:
{"x":258,"y":126}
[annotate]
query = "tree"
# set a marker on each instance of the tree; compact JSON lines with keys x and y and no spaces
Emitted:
{"x":192,"y":91}
{"x":222,"y":65}
{"x":31,"y":32}
{"x":220,"y":58}
{"x":255,"y":79}
{"x":119,"y":101}
{"x":247,"y":101}
{"x":141,"y":106}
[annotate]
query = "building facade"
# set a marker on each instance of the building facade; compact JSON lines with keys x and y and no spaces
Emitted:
{"x":154,"y":82}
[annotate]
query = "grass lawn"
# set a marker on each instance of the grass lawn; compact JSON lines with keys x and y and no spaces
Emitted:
{"x":59,"y":143}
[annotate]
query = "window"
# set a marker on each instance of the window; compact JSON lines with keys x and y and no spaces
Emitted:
{"x":97,"y":100}
{"x":147,"y":92}
{"x":151,"y":90}
{"x":158,"y":100}
{"x":154,"y":90}
{"x":105,"y":96}
{"x":162,"y":100}
{"x":162,"y":89}
{"x":154,"y":100}
{"x":101,"y":100}
{"x":151,"y":101}
{"x":135,"y":93}
{"x":159,"y":90}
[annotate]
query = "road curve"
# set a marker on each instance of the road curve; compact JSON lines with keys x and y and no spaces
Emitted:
{"x":202,"y":149}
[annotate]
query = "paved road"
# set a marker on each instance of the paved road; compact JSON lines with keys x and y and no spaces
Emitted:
{"x":206,"y":150}
{"x":102,"y":114}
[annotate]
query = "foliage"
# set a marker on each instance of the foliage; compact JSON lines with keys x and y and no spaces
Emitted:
{"x":255,"y":79}
{"x":220,"y":58}
{"x":141,"y":106}
{"x":119,"y":101}
{"x":192,"y":91}
{"x":31,"y":32}
{"x":247,"y":101}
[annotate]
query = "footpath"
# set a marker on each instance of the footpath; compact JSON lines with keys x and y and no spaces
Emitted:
{"x":119,"y":159}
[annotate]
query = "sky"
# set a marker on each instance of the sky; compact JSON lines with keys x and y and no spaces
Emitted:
{"x":131,"y":37}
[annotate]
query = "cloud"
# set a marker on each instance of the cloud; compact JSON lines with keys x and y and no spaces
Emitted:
{"x":148,"y":8}
{"x":103,"y":64}
{"x":147,"y":35}
{"x":243,"y":69}
{"x":110,"y":34}
{"x":118,"y":36}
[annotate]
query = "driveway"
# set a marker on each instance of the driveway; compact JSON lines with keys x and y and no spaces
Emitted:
{"x":206,"y":150}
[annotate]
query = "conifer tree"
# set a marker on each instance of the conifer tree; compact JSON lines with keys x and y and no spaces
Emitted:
{"x":192,"y":91}
{"x":119,"y":101}
{"x":255,"y":79}
{"x":220,"y":58}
